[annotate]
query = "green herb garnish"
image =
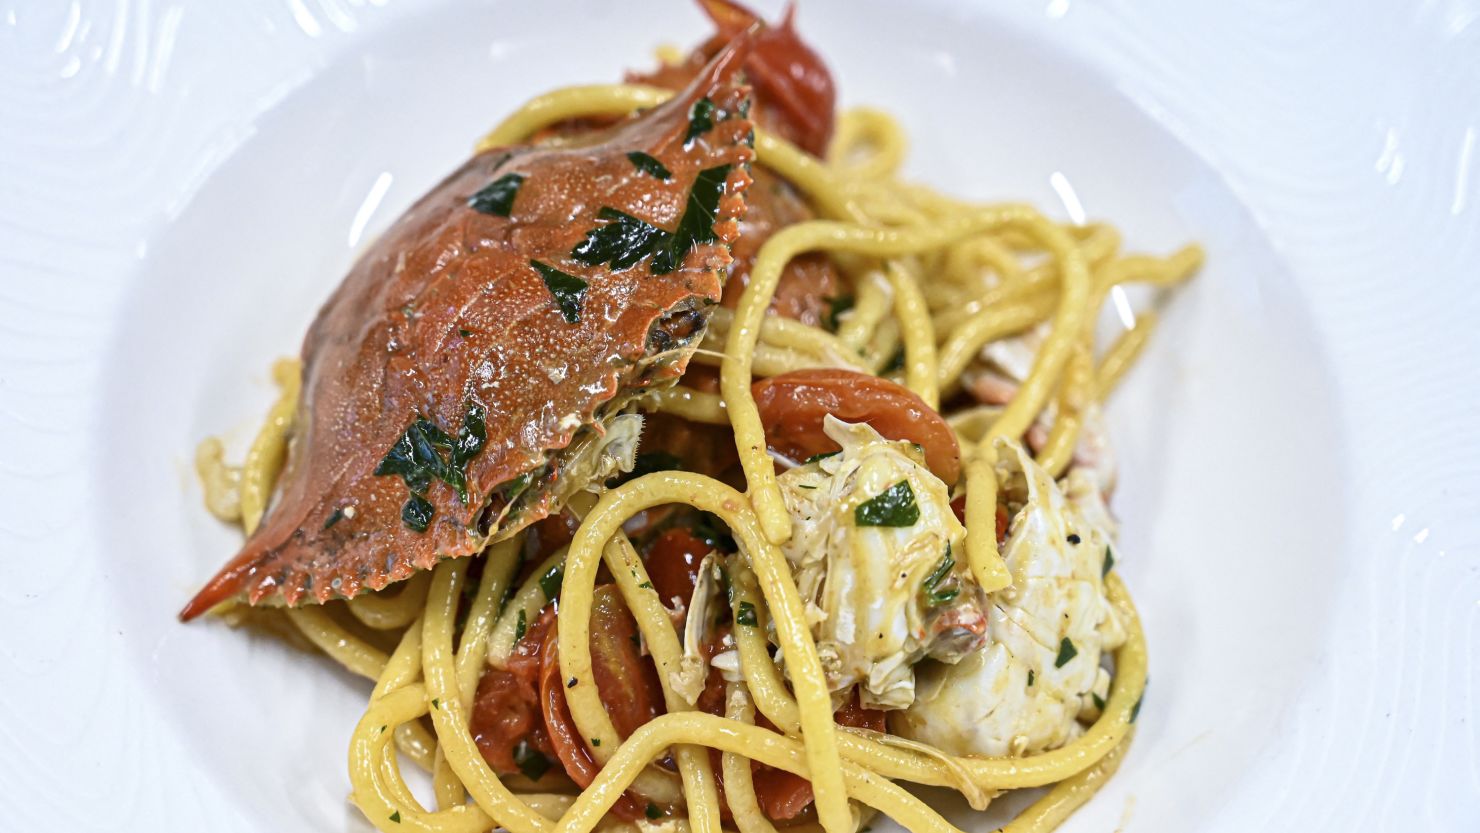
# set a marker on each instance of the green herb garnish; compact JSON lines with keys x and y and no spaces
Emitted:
{"x":334,"y":517}
{"x":530,"y":762}
{"x":652,"y":811}
{"x":396,"y":817}
{"x":745,"y":614}
{"x":1109,"y":562}
{"x":596,"y":741}
{"x":436,"y":703}
{"x":417,"y":512}
{"x":650,"y":165}
{"x":621,"y":243}
{"x":498,"y":198}
{"x":519,"y":628}
{"x":696,"y":226}
{"x":894,"y":507}
{"x":701,"y":120}
{"x":550,"y":582}
{"x":1067,"y":651}
{"x":941,"y":586}
{"x":1098,"y":701}
{"x":1030,"y":676}
{"x":823,"y":456}
{"x":568,"y":290}
{"x":646,"y":585}
{"x":426,"y":452}
{"x":836,"y":306}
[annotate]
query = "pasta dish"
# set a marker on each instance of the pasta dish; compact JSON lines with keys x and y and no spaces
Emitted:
{"x":674,"y":464}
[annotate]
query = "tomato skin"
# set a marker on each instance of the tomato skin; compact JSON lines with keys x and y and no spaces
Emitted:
{"x":627,"y":683}
{"x":672,"y":561}
{"x":792,"y":407}
{"x":782,"y":795}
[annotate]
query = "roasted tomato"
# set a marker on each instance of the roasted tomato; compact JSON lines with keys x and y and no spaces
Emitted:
{"x":627,"y":682}
{"x":506,"y":709}
{"x":784,"y":796}
{"x":793,"y":405}
{"x":672,"y":561}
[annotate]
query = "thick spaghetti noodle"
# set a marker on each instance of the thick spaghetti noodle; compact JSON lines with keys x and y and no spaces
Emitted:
{"x":936,"y":280}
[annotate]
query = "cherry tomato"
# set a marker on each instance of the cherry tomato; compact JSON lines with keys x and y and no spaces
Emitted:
{"x":506,"y":708}
{"x":793,"y":404}
{"x":672,"y":561}
{"x":958,"y":506}
{"x":784,"y":796}
{"x":627,"y":683}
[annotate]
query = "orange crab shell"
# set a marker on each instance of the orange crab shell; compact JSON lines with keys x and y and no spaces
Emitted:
{"x":448,"y":317}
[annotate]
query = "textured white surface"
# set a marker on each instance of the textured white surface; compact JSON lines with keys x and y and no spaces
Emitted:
{"x":182,"y":183}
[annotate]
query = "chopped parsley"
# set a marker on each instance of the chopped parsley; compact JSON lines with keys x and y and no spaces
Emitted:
{"x":652,"y":811}
{"x":498,"y":198}
{"x":940,"y":586}
{"x":745,"y":615}
{"x":1067,"y":651}
{"x":417,"y":512}
{"x":425,"y":452}
{"x":571,"y":683}
{"x":1136,"y":709}
{"x":1109,"y":562}
{"x":1030,"y":676}
{"x":823,"y":456}
{"x":696,"y":225}
{"x":895,"y":363}
{"x":396,"y":817}
{"x":596,"y":741}
{"x":436,"y":703}
{"x":530,"y":762}
{"x":1074,"y":538}
{"x":622,"y":241}
{"x":520,"y":627}
{"x":1098,"y":701}
{"x":650,"y":165}
{"x":701,"y":120}
{"x":894,"y":507}
{"x":646,"y":585}
{"x":836,"y":306}
{"x":464,"y":333}
{"x":334,"y":517}
{"x":550,"y":582}
{"x":568,"y":290}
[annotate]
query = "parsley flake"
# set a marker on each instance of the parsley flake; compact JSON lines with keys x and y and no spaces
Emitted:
{"x":425,"y":452}
{"x":1109,"y":562}
{"x":894,"y":507}
{"x":530,"y":762}
{"x":701,"y":120}
{"x":568,"y":290}
{"x":550,"y":582}
{"x":519,"y":628}
{"x":650,"y":165}
{"x":1030,"y":676}
{"x":941,"y":586}
{"x":1067,"y":651}
{"x":836,"y":306}
{"x":745,"y":615}
{"x":823,"y":456}
{"x":396,"y":817}
{"x":498,"y":198}
{"x":652,"y":811}
{"x":1098,"y":701}
{"x":334,"y":517}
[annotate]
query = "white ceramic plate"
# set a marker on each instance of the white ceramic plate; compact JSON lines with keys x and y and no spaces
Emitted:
{"x":182,"y":184}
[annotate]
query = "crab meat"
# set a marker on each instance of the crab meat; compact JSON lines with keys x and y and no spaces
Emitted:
{"x":882,"y":585}
{"x":1039,"y":670}
{"x":507,"y":315}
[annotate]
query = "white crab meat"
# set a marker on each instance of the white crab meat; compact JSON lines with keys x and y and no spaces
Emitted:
{"x":880,"y":579}
{"x":1039,"y":671}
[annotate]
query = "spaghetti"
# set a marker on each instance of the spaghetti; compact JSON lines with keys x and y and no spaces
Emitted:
{"x":936,"y":281}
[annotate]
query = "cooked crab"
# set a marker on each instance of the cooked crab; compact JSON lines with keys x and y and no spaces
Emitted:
{"x":458,"y":383}
{"x":1039,"y":670}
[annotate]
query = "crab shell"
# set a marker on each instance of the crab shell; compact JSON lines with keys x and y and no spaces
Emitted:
{"x":447,"y":321}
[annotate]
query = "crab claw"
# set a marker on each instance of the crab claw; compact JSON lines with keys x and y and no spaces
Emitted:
{"x":460,"y":382}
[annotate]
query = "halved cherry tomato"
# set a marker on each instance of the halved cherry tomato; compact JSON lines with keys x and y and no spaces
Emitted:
{"x":627,"y":683}
{"x":793,"y":404}
{"x":506,"y":709}
{"x":672,"y":561}
{"x":958,"y":506}
{"x":781,"y":794}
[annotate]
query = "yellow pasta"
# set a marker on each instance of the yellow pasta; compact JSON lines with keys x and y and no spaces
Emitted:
{"x":935,"y":281}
